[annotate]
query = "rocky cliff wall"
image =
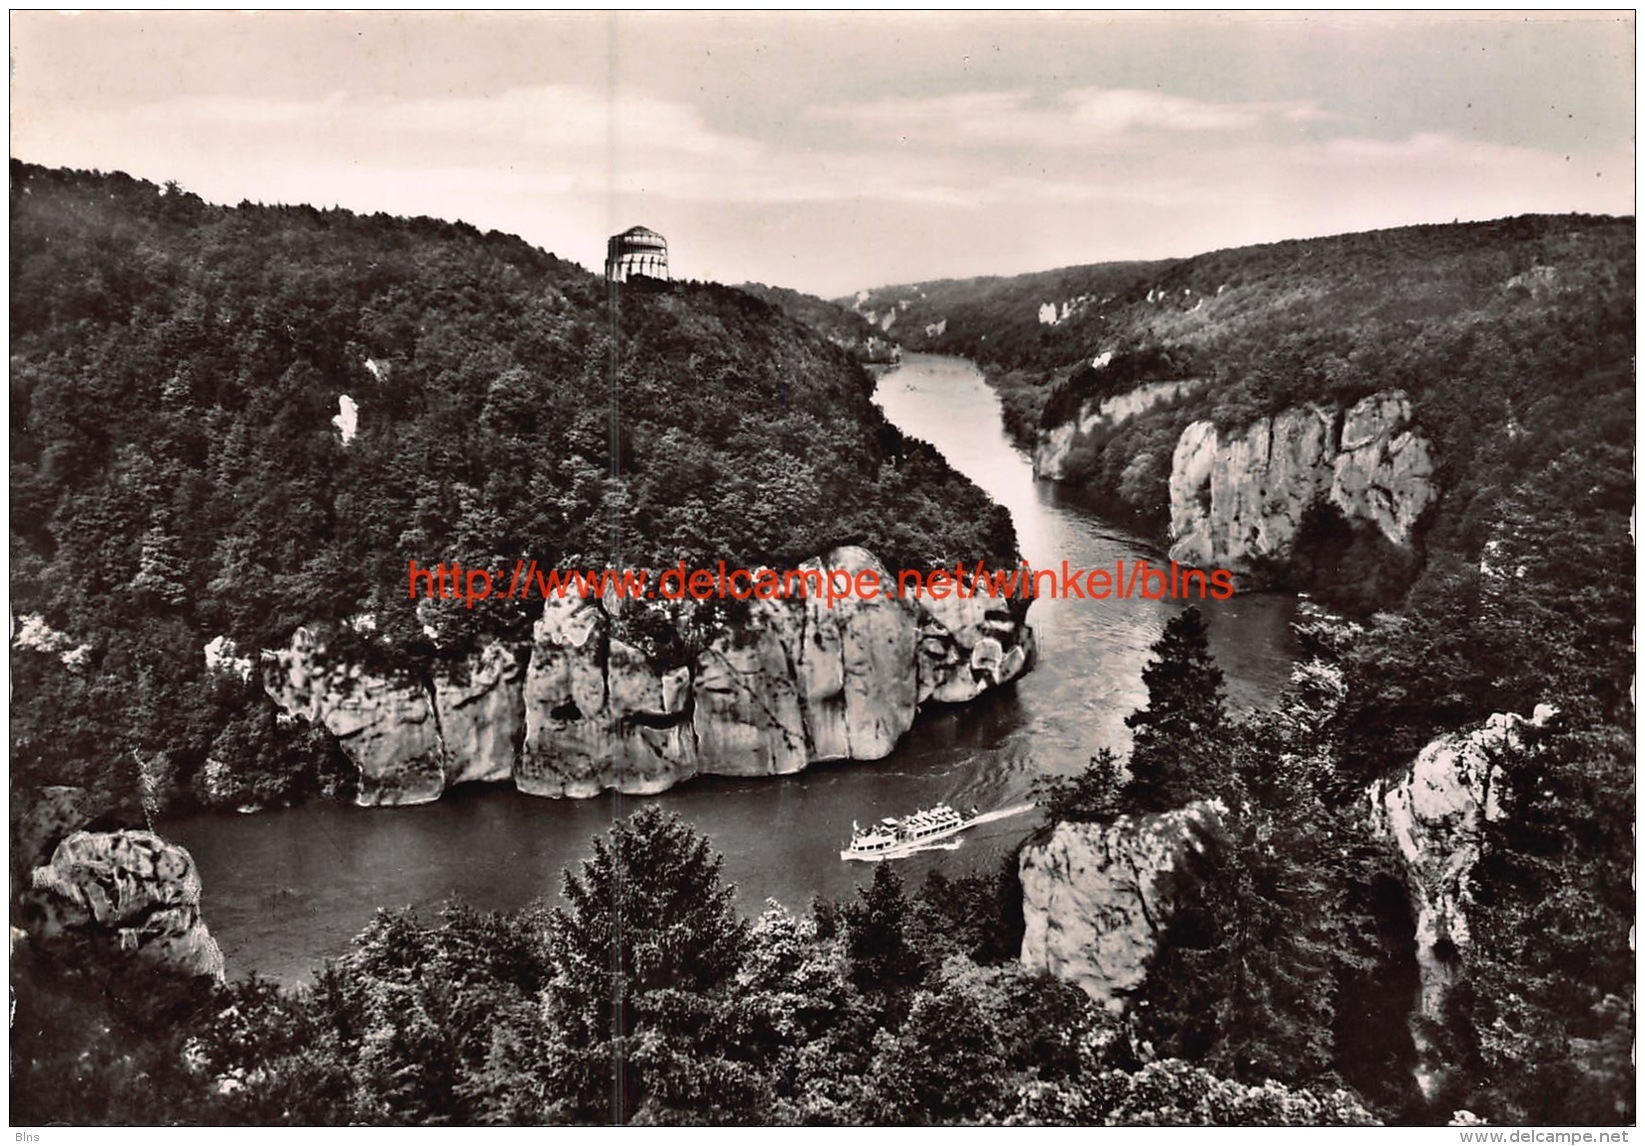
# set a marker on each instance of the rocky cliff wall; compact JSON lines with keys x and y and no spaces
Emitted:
{"x":581,"y":710}
{"x":1239,"y":499}
{"x":1096,"y":897}
{"x":130,"y":889}
{"x":1054,"y":447}
{"x":1433,"y":812}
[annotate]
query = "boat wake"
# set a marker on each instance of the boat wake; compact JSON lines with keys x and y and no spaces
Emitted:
{"x":1003,"y":813}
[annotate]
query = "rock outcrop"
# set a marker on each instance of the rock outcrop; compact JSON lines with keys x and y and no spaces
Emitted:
{"x":1096,"y":897}
{"x":1433,"y":812}
{"x":598,"y":715}
{"x":1241,"y":500}
{"x":1055,"y":446}
{"x":385,"y":726}
{"x":481,"y":714}
{"x":586,"y":708}
{"x":131,"y":890}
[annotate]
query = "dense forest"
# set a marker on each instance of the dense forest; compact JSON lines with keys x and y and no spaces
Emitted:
{"x":646,"y":996}
{"x":179,"y":472}
{"x":1514,"y":340}
{"x":840,"y":325}
{"x":178,"y":476}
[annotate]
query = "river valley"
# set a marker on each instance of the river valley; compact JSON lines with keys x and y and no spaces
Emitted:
{"x":285,"y":889}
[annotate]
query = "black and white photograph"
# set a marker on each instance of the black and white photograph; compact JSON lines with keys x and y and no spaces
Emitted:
{"x":823,"y":569}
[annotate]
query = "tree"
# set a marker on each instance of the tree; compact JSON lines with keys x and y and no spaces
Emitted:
{"x":978,"y":915}
{"x":1096,"y":795}
{"x":1174,"y":1093}
{"x":1552,"y":964}
{"x":946,"y":1064}
{"x":1178,"y":738}
{"x":877,"y":941}
{"x":1270,"y":923}
{"x":647,"y":914}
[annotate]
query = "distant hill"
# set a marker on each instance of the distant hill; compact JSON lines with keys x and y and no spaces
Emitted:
{"x":1512,"y":343}
{"x":1506,"y":335}
{"x":839,"y":324}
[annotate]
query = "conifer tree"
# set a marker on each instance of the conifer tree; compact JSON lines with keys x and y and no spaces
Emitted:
{"x":881,"y":956}
{"x":1267,"y":927}
{"x":648,"y":914}
{"x":1178,"y":738}
{"x":1552,"y":961}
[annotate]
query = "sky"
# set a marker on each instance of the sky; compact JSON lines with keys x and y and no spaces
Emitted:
{"x":836,"y":151}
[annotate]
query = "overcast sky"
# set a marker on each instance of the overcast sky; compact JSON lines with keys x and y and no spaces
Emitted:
{"x":830,"y":152}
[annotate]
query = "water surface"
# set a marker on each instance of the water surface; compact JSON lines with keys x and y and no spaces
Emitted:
{"x":285,"y":889}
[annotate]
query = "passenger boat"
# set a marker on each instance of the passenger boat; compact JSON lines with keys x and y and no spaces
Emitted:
{"x":893,"y":838}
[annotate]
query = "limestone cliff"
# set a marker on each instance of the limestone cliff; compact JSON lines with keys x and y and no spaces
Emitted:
{"x":1239,"y":499}
{"x":1433,"y":812}
{"x":130,"y":889}
{"x":1057,"y":445}
{"x":1096,"y":897}
{"x":481,"y":713}
{"x":385,"y":726}
{"x":584,"y":708}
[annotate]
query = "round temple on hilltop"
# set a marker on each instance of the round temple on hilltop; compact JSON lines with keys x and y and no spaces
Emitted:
{"x":637,"y":251}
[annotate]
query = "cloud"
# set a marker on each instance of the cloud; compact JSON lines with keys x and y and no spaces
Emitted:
{"x":1078,"y":117}
{"x":1119,"y":110}
{"x":563,"y":122}
{"x":999,"y":178}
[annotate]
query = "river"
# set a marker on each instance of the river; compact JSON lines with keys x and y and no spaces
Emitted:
{"x":285,"y":889}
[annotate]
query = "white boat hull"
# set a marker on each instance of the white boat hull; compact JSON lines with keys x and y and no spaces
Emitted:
{"x":910,"y":847}
{"x":937,"y":841}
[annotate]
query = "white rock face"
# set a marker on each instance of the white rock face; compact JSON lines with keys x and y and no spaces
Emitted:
{"x":583,"y":710}
{"x":596,"y":714}
{"x":747,"y":716}
{"x":223,"y":656}
{"x":134,"y":889}
{"x":386,"y":727}
{"x":1245,"y":497}
{"x":1053,"y":314}
{"x":30,"y":631}
{"x":1383,"y":471}
{"x":1237,"y":500}
{"x":855,"y":668}
{"x":1054,"y":447}
{"x":1433,"y":811}
{"x":1095,"y":900}
{"x":347,"y":419}
{"x":481,"y":714}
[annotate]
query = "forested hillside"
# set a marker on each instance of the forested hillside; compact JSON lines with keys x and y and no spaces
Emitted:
{"x":1507,"y":336}
{"x":180,"y":470}
{"x":840,"y":325}
{"x":1514,"y":342}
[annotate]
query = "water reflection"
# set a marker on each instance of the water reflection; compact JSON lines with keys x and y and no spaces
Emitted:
{"x":285,"y":889}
